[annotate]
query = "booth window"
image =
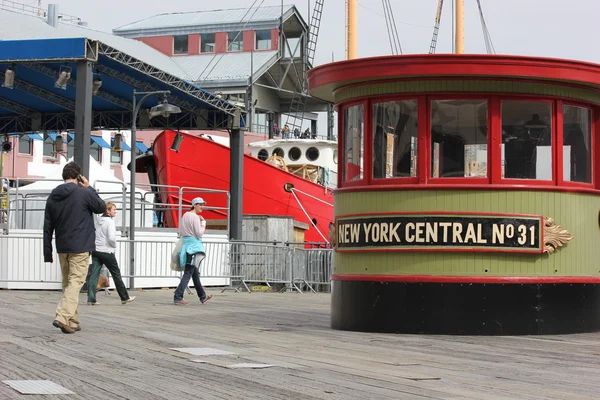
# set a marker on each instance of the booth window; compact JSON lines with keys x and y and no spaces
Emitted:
{"x":526,"y":150}
{"x":353,"y":143}
{"x":395,"y":134}
{"x":459,"y":138}
{"x":577,"y":148}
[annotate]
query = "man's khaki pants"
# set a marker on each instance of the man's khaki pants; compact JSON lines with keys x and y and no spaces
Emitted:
{"x":74,"y":267}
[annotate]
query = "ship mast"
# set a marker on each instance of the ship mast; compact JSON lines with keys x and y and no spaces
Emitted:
{"x":459,"y":35}
{"x":351,"y":29}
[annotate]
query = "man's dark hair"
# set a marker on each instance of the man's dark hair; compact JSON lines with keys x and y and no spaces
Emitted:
{"x":71,"y":171}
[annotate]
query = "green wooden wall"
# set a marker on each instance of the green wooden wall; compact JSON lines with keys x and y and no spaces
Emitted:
{"x":575,"y":212}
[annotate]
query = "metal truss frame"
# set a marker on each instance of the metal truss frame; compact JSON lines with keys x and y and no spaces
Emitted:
{"x":16,"y":108}
{"x":102,"y":95}
{"x":166,"y":78}
{"x":44,"y":94}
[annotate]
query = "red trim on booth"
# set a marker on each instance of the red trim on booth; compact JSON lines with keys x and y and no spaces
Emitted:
{"x":458,"y":65}
{"x":461,"y":186}
{"x":525,"y":280}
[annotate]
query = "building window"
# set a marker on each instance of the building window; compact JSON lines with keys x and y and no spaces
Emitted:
{"x":96,"y":151}
{"x":459,"y":137}
{"x":353,"y":143}
{"x":526,"y":140}
{"x":180,"y":44}
{"x":263,"y":40}
{"x":48,"y":146}
{"x":207,"y":43}
{"x":235,"y":41}
{"x":115,"y":157}
{"x":70,"y":147}
{"x":577,"y":148}
{"x":395,"y":134}
{"x":25,"y":145}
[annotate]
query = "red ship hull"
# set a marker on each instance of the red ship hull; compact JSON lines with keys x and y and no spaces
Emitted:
{"x":203,"y":163}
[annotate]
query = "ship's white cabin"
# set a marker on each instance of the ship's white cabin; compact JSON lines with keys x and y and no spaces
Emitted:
{"x":312,"y":159}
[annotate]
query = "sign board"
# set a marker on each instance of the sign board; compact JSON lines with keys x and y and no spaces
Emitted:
{"x":468,"y":232}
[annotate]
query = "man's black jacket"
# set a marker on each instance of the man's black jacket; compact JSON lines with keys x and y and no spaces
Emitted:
{"x":69,"y":214}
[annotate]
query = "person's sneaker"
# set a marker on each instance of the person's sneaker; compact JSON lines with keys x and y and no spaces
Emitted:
{"x":64,"y":328}
{"x":182,"y":303}
{"x":129,"y":300}
{"x":206,"y":299}
{"x":92,"y":303}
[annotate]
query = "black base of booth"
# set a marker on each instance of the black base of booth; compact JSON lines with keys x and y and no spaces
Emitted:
{"x":465,"y":308}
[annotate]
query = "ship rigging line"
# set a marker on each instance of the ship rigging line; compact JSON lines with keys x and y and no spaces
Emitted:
{"x":220,"y":55}
{"x":311,"y":196}
{"x":308,"y":216}
{"x":390,"y":22}
{"x":489,"y":46}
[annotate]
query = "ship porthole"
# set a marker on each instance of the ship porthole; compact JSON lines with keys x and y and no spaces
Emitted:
{"x":312,"y":154}
{"x":278,"y":152}
{"x":263,"y":154}
{"x":294,"y":154}
{"x":335,"y":156}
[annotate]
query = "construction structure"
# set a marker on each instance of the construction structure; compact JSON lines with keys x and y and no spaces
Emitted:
{"x":256,"y":58}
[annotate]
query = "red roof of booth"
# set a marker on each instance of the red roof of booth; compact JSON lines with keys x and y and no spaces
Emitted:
{"x":324,"y":80}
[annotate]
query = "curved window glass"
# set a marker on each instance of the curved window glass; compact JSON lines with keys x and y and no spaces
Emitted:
{"x":353,"y":143}
{"x":395,"y":134}
{"x":459,"y":138}
{"x":577,"y":147}
{"x":526,"y":140}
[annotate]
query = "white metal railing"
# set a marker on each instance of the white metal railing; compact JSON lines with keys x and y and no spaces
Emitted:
{"x":232,"y":265}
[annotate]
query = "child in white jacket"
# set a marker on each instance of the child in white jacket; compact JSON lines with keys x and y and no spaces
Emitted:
{"x":106,"y":245}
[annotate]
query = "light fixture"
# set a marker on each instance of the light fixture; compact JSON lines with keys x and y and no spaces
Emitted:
{"x":163,"y":109}
{"x":96,"y":84}
{"x":177,"y":142}
{"x":117,"y":142}
{"x":64,"y":74}
{"x":58,"y":143}
{"x":9,"y":78}
{"x":6,"y":146}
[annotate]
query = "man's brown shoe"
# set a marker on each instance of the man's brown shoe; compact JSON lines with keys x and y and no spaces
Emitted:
{"x":182,"y":303}
{"x":64,"y":328}
{"x":76,"y":327}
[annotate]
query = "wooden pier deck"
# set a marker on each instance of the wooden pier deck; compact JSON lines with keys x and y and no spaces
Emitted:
{"x":124,"y":352}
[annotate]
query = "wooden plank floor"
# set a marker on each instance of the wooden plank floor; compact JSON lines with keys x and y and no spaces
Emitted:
{"x":123,"y":353}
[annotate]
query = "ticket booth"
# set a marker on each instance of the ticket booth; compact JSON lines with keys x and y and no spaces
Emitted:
{"x":468,"y":197}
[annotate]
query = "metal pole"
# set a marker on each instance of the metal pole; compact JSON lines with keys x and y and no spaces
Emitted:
{"x":330,"y":121}
{"x":351,"y":34}
{"x":236,"y":163}
{"x":83,"y":116}
{"x":132,"y":197}
{"x":136,"y":109}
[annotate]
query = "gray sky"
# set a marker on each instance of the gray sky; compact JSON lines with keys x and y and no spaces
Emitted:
{"x":549,"y":28}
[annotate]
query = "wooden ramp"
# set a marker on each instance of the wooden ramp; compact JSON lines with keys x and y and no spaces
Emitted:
{"x":272,"y":346}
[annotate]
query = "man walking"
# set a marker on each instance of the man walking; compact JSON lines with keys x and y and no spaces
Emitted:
{"x":69,"y":216}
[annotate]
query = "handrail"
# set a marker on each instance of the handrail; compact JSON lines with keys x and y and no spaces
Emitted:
{"x":124,"y":191}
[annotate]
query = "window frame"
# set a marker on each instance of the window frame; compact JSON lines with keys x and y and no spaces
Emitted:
{"x":214,"y":43}
{"x":30,"y":141}
{"x":270,"y":40}
{"x":240,"y":39}
{"x":560,"y":140}
{"x":420,"y":136}
{"x":458,"y":180}
{"x":553,"y":150}
{"x":494,"y":179}
{"x":187,"y":46}
{"x":366,"y":147}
